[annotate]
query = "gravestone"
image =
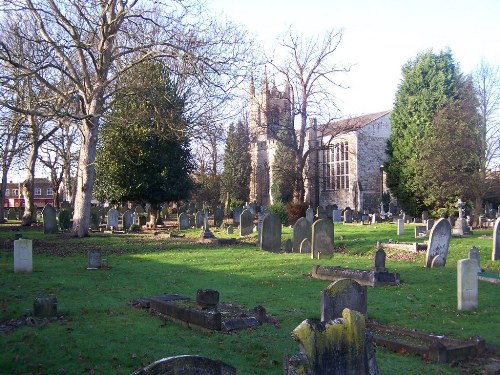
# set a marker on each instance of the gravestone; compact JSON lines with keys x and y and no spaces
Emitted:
{"x":429,"y":224}
{"x":252,"y":207}
{"x":439,"y":241}
{"x":474,"y":255}
{"x":301,"y":230}
{"x":187,"y":364}
{"x":467,"y":284}
{"x":260,"y":218}
{"x":230,"y":229}
{"x":218,"y":217}
{"x":183,"y":221}
{"x":401,"y":227}
{"x":198,"y":223}
{"x":112,"y":221}
{"x":94,"y":259}
{"x":11,"y":214}
{"x":461,"y":226}
{"x":246,"y":223}
{"x":310,"y":215}
{"x":348,"y":216}
{"x":236,"y":215}
{"x":49,"y":219}
{"x":305,"y":246}
{"x":45,"y":307}
{"x":341,"y":294}
{"x":23,"y":255}
{"x":271,"y":233}
{"x":336,"y":216}
{"x":322,"y":239}
{"x":127,"y":220}
{"x":288,"y":246}
{"x":321,"y":212}
{"x":495,"y":254}
{"x":419,"y":231}
{"x":379,"y":261}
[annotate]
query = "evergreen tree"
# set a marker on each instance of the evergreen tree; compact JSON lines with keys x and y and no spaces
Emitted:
{"x":143,"y":154}
{"x":235,"y":178}
{"x":429,"y":83}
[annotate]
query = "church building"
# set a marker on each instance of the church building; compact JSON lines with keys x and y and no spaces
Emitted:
{"x":345,"y":163}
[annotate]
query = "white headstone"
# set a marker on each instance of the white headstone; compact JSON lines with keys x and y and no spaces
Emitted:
{"x":467,"y":284}
{"x":401,"y":227}
{"x":23,"y":255}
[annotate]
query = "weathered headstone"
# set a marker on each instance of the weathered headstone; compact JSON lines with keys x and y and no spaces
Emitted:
{"x":45,"y":307}
{"x":199,"y":220}
{"x":246,"y":223}
{"x":348,"y":216}
{"x":49,"y":219}
{"x":467,"y":284}
{"x":439,"y":241}
{"x":288,"y":246}
{"x":322,"y":239}
{"x":183,"y":221}
{"x":94,"y":259}
{"x":236,"y":215}
{"x":23,"y":255}
{"x":301,"y":230}
{"x":305,"y":246}
{"x":112,"y":221}
{"x":260,"y":219}
{"x":11,"y":214}
{"x":401,"y":227}
{"x":429,"y":224}
{"x":127,"y":220}
{"x":495,"y":254}
{"x":474,"y":254}
{"x":218,"y":216}
{"x":341,"y":294}
{"x":336,"y":216}
{"x":187,"y":364}
{"x":230,"y":229}
{"x":271,"y":233}
{"x":379,"y":261}
{"x":310,"y":215}
{"x":419,"y":231}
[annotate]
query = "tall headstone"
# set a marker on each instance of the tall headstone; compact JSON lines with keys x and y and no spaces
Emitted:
{"x":199,"y":220}
{"x":23,"y":255}
{"x":310,"y":215}
{"x":112,"y":221}
{"x":341,"y":294}
{"x":252,"y":207}
{"x":495,"y":255}
{"x":322,"y":239}
{"x":301,"y":230}
{"x":246,"y":223}
{"x":461,"y":226}
{"x":236,"y":215}
{"x":336,"y":216}
{"x":467,"y":284}
{"x":127,"y":220}
{"x":218,"y":216}
{"x":49,"y":219}
{"x":183,"y":221}
{"x":401,"y":227}
{"x":439,"y":241}
{"x":271,"y":233}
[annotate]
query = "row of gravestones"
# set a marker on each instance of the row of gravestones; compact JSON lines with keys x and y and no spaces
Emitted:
{"x":186,"y":221}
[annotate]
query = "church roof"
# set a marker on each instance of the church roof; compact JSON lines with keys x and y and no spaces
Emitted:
{"x":351,"y":124}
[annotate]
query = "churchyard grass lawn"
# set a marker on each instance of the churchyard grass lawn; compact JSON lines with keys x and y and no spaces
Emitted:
{"x":100,"y":333}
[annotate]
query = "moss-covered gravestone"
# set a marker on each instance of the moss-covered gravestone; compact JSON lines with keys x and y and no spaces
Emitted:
{"x":341,"y":294}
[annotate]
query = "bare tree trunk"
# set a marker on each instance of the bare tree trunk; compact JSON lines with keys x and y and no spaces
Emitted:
{"x":29,"y":216}
{"x":86,"y":177}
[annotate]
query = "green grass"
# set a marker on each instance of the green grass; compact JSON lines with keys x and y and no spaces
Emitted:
{"x":102,"y":334}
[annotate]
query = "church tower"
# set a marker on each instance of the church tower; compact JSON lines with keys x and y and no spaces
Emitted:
{"x":270,"y":111}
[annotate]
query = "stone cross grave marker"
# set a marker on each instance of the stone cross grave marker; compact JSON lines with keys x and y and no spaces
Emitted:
{"x":495,"y":255}
{"x":439,"y":241}
{"x":322,"y":239}
{"x":23,"y":255}
{"x":260,"y":218}
{"x":183,"y":221}
{"x":246,"y":223}
{"x":301,"y":229}
{"x":467,"y":284}
{"x":310,"y":215}
{"x":112,"y":221}
{"x":271,"y":233}
{"x":49,"y":219}
{"x":321,"y":213}
{"x":341,"y":294}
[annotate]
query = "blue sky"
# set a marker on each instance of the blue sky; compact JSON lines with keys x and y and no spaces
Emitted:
{"x":379,"y":36}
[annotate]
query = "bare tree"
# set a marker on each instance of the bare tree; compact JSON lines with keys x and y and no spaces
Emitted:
{"x":310,"y":74}
{"x":93,"y":43}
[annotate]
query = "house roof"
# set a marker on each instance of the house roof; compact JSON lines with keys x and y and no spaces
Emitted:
{"x":351,"y":124}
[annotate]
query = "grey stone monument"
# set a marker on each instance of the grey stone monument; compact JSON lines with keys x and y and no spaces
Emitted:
{"x":379,"y":261}
{"x":112,"y":221}
{"x":310,"y":215}
{"x":127,"y":220}
{"x":199,"y":220}
{"x":467,"y":284}
{"x":49,"y":219}
{"x":439,"y":241}
{"x":288,"y":246}
{"x":187,"y":364}
{"x":23,"y":255}
{"x":183,"y":221}
{"x":348,"y":216}
{"x":474,"y":255}
{"x":218,"y":216}
{"x":305,"y":246}
{"x":236,"y":215}
{"x":301,"y":229}
{"x":230,"y":229}
{"x":419,"y":231}
{"x":336,"y":216}
{"x":429,"y":224}
{"x":401,"y":227}
{"x":341,"y":294}
{"x":322,"y":239}
{"x":94,"y":259}
{"x":246,"y":223}
{"x":271,"y":233}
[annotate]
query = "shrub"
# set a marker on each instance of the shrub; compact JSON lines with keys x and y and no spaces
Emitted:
{"x":295,"y":211}
{"x":278,"y":208}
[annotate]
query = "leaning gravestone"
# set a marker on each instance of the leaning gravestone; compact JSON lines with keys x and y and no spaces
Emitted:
{"x":322,"y":239}
{"x":23,"y":255}
{"x":183,"y":221}
{"x":495,"y":255}
{"x":246,"y":223}
{"x":439,"y":241}
{"x":467,"y":284}
{"x":49,"y":219}
{"x":112,"y":221}
{"x":341,"y":294}
{"x":127,"y":220}
{"x":310,"y":215}
{"x":218,"y":217}
{"x":271,"y":233}
{"x":187,"y":364}
{"x":301,"y":230}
